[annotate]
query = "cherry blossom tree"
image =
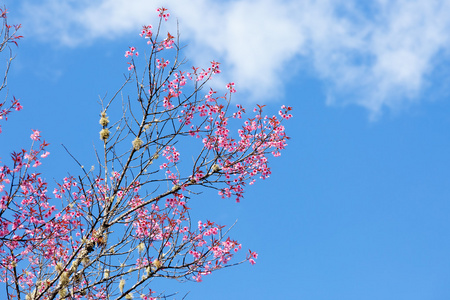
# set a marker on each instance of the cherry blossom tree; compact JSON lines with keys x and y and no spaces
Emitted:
{"x":110,"y":231}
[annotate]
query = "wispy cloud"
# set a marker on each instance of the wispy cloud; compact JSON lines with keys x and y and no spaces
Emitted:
{"x":377,"y":55}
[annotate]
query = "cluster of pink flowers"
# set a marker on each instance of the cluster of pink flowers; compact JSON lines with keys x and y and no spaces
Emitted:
{"x":33,"y":230}
{"x":252,"y":256}
{"x":163,"y":227}
{"x":131,"y":52}
{"x":203,"y":74}
{"x":5,"y":110}
{"x":36,"y":135}
{"x":168,"y":42}
{"x":161,"y":63}
{"x":215,"y":67}
{"x":30,"y":227}
{"x":146,"y":31}
{"x":230,"y":87}
{"x":171,"y":154}
{"x":163,"y":13}
{"x":284,"y":112}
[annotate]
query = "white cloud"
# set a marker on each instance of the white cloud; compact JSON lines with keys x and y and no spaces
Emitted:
{"x":377,"y":55}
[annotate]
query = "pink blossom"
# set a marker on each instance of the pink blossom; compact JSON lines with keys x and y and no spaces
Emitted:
{"x":232,"y":155}
{"x":162,"y":13}
{"x":44,"y":155}
{"x":230,"y":86}
{"x":35,"y":135}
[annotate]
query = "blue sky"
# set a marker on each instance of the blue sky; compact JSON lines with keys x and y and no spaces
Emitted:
{"x":357,"y":206}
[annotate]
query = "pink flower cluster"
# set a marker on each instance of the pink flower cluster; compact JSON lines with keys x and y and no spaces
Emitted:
{"x":161,"y":63}
{"x":36,"y":135}
{"x":171,"y":154}
{"x":5,"y":110}
{"x":29,"y":227}
{"x":163,"y":13}
{"x":164,"y":225}
{"x":284,"y":112}
{"x":215,"y":67}
{"x":130,"y":53}
{"x":251,"y":257}
{"x":168,"y":42}
{"x":230,"y":87}
{"x":146,"y":31}
{"x":230,"y":157}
